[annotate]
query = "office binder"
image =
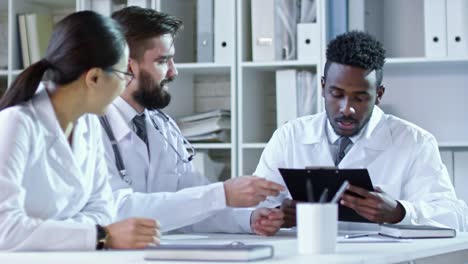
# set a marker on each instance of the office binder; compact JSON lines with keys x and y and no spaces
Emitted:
{"x":26,"y":59}
{"x":296,"y":95}
{"x":356,"y":15}
{"x":286,"y":96}
{"x":104,"y":7}
{"x":308,"y":42}
{"x":140,"y":3}
{"x":263,"y":30}
{"x":337,"y":18}
{"x":435,"y":28}
{"x":457,"y":28}
{"x":205,"y":31}
{"x":224,"y":30}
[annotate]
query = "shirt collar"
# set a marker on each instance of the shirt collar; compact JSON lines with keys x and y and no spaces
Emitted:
{"x":333,"y":137}
{"x":125,"y":109}
{"x":376,"y":133}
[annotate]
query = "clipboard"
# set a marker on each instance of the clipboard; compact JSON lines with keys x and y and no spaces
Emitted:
{"x":330,"y":178}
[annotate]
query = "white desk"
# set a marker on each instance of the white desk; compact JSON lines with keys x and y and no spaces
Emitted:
{"x":447,"y":251}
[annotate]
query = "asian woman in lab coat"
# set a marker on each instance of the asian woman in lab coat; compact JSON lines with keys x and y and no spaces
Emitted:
{"x":54,"y":191}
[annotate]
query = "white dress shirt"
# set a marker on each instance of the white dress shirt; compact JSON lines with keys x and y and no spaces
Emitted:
{"x":52,"y":195}
{"x":163,"y":186}
{"x":401,"y":158}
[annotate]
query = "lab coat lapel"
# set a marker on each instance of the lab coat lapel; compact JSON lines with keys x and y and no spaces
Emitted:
{"x":376,"y":139}
{"x":316,"y":138}
{"x":56,"y":144}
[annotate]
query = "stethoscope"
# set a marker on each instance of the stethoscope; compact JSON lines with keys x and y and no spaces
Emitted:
{"x":118,"y":156}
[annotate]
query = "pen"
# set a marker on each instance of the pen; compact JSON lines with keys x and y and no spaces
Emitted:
{"x":323,"y":197}
{"x":340,"y":192}
{"x":357,"y":235}
{"x":310,"y":191}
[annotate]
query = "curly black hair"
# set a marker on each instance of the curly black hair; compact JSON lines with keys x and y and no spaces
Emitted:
{"x":357,"y":48}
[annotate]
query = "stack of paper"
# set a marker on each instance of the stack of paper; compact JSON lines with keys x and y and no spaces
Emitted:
{"x":213,"y":126}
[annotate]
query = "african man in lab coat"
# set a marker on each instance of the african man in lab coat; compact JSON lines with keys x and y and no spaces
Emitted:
{"x":152,"y":172}
{"x":412,"y":184}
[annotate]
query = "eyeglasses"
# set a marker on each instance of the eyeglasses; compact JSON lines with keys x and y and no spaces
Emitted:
{"x":189,"y":147}
{"x":127,"y":75}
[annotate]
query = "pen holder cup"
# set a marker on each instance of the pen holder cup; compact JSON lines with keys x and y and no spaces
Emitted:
{"x":317,"y":227}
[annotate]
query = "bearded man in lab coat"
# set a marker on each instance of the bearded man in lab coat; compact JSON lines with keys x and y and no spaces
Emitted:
{"x":412,"y":183}
{"x":152,"y":172}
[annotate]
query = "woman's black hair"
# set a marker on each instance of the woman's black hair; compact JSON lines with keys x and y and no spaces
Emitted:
{"x":79,"y":42}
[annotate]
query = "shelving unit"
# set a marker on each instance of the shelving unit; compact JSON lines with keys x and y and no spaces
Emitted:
{"x":256,"y":90}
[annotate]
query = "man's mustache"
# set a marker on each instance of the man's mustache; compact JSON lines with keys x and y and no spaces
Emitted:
{"x":166,"y":81}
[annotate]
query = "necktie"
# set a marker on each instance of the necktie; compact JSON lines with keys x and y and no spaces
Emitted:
{"x":139,"y":121}
{"x":343,"y":143}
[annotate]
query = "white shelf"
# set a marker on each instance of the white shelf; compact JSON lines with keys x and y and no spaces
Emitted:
{"x":276,"y":64}
{"x":422,"y":60}
{"x":453,"y":144}
{"x":203,"y":67}
{"x":212,"y":145}
{"x":16,"y":72}
{"x":254,"y":145}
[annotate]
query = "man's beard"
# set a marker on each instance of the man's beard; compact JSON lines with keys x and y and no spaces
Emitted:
{"x":150,"y":94}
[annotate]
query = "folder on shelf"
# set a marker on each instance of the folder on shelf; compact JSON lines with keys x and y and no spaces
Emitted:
{"x":308,"y":11}
{"x":140,"y":3}
{"x":356,"y":15}
{"x":286,"y":96}
{"x":104,"y":7}
{"x":205,"y":31}
{"x":3,"y":42}
{"x":224,"y":31}
{"x":435,"y":28}
{"x":286,"y":18}
{"x":457,"y":28}
{"x":295,"y":95}
{"x":24,"y":41}
{"x":308,"y":42}
{"x":39,"y":28}
{"x":337,"y":18}
{"x":263,"y":30}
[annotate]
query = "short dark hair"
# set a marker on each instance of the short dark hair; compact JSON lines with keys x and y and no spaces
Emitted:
{"x":141,"y":24}
{"x":79,"y":42}
{"x":357,"y":48}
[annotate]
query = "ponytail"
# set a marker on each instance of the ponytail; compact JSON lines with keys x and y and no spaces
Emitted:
{"x":25,"y":85}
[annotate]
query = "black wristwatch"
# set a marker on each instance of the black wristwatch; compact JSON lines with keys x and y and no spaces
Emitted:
{"x":101,"y":237}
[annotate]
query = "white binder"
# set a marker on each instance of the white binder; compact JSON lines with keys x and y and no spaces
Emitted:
{"x":286,"y":96}
{"x":224,"y":31}
{"x":435,"y":28}
{"x":140,"y":3}
{"x":457,"y":28}
{"x":104,"y":7}
{"x":308,"y":42}
{"x":263,"y":30}
{"x":205,"y":31}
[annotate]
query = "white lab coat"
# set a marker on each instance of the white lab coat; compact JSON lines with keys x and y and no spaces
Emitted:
{"x":401,"y":158}
{"x":163,"y":187}
{"x":51,"y":196}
